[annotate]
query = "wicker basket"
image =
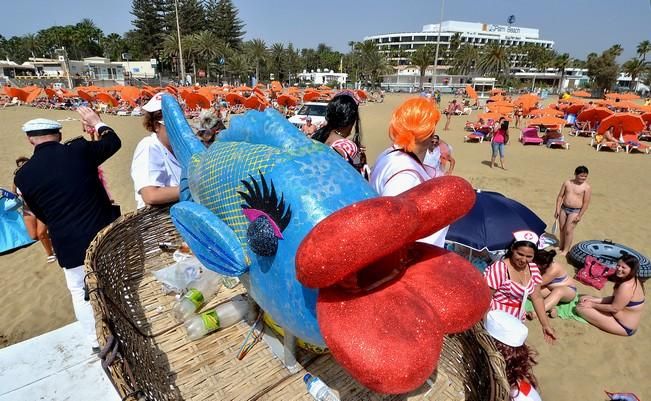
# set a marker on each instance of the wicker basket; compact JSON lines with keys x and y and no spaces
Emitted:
{"x":149,"y":355}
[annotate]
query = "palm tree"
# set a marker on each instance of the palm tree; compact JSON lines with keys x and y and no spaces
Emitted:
{"x":422,"y":57}
{"x":561,"y":62}
{"x":634,"y":67}
{"x":206,"y":47}
{"x":32,"y":44}
{"x":113,"y":45}
{"x":494,"y":60}
{"x":239,"y":65}
{"x":616,"y":50}
{"x":372,"y":63}
{"x":277,"y":59}
{"x":643,"y":48}
{"x":257,"y":51}
{"x":464,"y":59}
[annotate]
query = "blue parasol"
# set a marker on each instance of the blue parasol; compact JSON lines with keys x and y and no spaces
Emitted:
{"x":491,"y":222}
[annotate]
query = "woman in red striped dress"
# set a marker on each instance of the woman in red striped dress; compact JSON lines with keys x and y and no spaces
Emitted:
{"x":515,"y":278}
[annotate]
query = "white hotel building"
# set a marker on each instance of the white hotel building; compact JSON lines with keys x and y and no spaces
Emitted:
{"x":474,"y":33}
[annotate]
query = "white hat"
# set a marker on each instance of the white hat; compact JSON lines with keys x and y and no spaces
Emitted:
{"x":526,"y":235}
{"x":506,"y":328}
{"x":154,"y":104}
{"x":42,"y":125}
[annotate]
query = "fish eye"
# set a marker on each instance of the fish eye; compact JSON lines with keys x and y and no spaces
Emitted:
{"x":267,"y":214}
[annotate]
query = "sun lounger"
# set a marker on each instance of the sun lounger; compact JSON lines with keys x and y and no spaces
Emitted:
{"x":611,"y":145}
{"x":632,"y":142}
{"x":644,"y":136}
{"x":558,"y":143}
{"x":476,"y":136}
{"x":582,"y":129}
{"x":530,"y":136}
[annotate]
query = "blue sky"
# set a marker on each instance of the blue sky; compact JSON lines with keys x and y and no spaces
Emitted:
{"x":577,"y":26}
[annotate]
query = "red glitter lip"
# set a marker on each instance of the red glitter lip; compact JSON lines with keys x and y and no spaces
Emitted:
{"x":384,"y":300}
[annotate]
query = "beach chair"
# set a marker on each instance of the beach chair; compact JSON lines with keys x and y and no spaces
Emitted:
{"x":530,"y":136}
{"x":582,"y":128}
{"x":476,"y":136}
{"x":632,"y":142}
{"x":609,"y":145}
{"x":555,"y":139}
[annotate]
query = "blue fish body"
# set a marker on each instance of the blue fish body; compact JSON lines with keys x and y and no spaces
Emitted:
{"x":309,"y":179}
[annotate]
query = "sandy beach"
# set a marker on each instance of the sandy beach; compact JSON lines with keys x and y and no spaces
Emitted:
{"x":580,"y":366}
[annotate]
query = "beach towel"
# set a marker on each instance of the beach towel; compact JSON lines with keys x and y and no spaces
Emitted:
{"x":565,"y":311}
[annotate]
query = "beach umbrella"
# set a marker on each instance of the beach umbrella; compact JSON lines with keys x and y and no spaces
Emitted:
{"x":287,"y":101}
{"x":628,"y":105}
{"x":310,"y":96}
{"x":15,"y":92}
{"x":581,"y":94}
{"x":106,"y":99}
{"x":255,"y":103}
{"x":594,"y":114}
{"x":547,"y":121}
{"x":574,"y":108}
{"x":646,"y":117}
{"x":244,"y":88}
{"x":491,"y":222}
{"x":235,"y":98}
{"x":495,"y":98}
{"x":33,"y":96}
{"x":87,"y":97}
{"x":622,"y":96}
{"x":500,"y":109}
{"x":276,"y":86}
{"x":130,"y":92}
{"x":623,"y":122}
{"x":172,"y":90}
{"x":471,"y":92}
{"x":362,"y":94}
{"x":546,"y":112}
{"x":194,"y":100}
{"x":50,"y":93}
{"x":145,"y":93}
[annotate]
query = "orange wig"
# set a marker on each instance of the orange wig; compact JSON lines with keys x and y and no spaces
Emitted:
{"x":413,"y":122}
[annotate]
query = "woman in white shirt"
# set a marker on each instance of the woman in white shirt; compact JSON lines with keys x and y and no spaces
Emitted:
{"x":155,"y":171}
{"x":400,"y":167}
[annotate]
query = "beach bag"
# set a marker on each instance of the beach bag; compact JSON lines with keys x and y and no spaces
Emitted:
{"x":594,"y":273}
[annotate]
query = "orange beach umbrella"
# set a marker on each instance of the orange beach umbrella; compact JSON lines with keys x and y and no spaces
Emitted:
{"x":594,"y":114}
{"x":581,"y":94}
{"x":106,"y":99}
{"x":235,"y":98}
{"x":622,"y":122}
{"x":286,"y":100}
{"x":255,"y":103}
{"x":547,"y":121}
{"x":194,"y":100}
{"x":87,"y":97}
{"x":471,"y":92}
{"x":35,"y":94}
{"x":622,"y":96}
{"x":309,"y":96}
{"x":574,"y":108}
{"x":546,"y":112}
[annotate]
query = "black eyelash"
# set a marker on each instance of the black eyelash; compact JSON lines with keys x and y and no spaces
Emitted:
{"x":261,"y":198}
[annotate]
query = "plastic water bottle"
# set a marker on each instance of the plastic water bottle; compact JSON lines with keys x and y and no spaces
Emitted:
{"x":222,"y":316}
{"x":318,"y":389}
{"x":199,"y":292}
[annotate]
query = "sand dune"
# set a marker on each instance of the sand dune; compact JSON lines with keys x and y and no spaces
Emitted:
{"x":580,"y":366}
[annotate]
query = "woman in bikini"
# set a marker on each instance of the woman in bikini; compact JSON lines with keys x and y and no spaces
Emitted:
{"x":342,"y":117}
{"x":621,"y":312}
{"x":557,"y":286}
{"x":516,"y":278}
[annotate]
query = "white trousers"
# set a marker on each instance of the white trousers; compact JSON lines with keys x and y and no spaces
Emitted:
{"x":83,"y":310}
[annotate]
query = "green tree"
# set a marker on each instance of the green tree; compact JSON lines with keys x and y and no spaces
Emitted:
{"x":277,"y":60}
{"x":494,"y":60}
{"x":256,"y":50}
{"x":222,"y":20}
{"x":635,"y":68}
{"x":616,"y":50}
{"x":422,"y":57}
{"x":192,"y":16}
{"x":207,"y":48}
{"x":465,"y":59}
{"x":603,"y":69}
{"x":643,"y":48}
{"x":371,"y":62}
{"x":113,"y":46}
{"x":562,"y":62}
{"x":145,"y":40}
{"x":239,"y":66}
{"x":293,"y":61}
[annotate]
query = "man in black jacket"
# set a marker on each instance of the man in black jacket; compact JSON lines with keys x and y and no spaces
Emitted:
{"x":61,"y":185}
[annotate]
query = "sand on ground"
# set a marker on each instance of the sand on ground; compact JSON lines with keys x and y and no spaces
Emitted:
{"x":582,"y":363}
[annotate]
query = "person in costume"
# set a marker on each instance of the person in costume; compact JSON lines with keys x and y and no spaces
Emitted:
{"x":515,"y":278}
{"x":510,"y":335}
{"x":621,"y":312}
{"x":155,"y":171}
{"x":61,"y":186}
{"x":342,"y":117}
{"x":400,"y":167}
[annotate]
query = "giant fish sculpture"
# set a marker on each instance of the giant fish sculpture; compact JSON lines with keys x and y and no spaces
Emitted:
{"x":333,"y":263}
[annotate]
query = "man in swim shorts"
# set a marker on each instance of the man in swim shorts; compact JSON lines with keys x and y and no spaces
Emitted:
{"x":571,"y":204}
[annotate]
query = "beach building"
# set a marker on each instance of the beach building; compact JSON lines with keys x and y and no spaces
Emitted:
{"x":140,"y":69}
{"x":324,"y":77}
{"x":10,"y":70}
{"x":398,"y":46}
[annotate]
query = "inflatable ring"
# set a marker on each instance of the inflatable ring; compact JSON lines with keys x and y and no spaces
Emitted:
{"x":268,"y":320}
{"x":607,"y":253}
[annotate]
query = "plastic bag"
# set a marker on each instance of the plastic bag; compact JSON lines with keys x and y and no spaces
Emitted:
{"x":177,"y":276}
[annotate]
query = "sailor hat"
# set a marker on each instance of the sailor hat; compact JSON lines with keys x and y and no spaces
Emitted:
{"x":41,"y":126}
{"x":155,"y":103}
{"x":506,"y":328}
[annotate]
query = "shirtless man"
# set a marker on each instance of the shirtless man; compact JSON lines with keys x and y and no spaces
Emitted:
{"x":571,"y":204}
{"x":308,"y":128}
